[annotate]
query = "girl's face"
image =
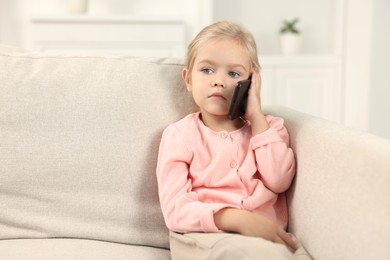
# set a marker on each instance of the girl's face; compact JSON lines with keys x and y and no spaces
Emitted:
{"x":218,"y":66}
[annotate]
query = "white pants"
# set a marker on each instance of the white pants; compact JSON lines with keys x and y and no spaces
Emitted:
{"x":228,"y":246}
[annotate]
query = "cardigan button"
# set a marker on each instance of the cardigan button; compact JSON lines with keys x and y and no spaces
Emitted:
{"x":233,"y":164}
{"x":224,"y":135}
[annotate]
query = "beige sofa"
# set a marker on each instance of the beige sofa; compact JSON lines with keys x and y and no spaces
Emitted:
{"x":79,"y":137}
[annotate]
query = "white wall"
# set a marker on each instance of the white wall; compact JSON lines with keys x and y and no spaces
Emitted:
{"x":9,"y":22}
{"x":380,"y":80}
{"x":262,"y":17}
{"x":357,"y":59}
{"x":15,"y":14}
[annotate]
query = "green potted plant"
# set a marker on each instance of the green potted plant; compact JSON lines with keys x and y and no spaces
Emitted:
{"x":290,"y":37}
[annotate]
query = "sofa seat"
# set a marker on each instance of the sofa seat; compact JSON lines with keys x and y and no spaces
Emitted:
{"x":58,"y":248}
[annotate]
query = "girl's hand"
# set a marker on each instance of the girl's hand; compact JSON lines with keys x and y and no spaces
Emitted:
{"x":254,"y":112}
{"x":254,"y":102}
{"x":250,"y":224}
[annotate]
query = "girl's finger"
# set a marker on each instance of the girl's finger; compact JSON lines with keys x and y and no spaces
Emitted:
{"x":279,"y":241}
{"x":288,"y":240}
{"x":256,"y":79}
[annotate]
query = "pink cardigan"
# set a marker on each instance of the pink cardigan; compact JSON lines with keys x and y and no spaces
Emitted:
{"x":200,"y":171}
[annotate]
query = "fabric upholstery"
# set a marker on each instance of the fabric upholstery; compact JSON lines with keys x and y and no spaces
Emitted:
{"x":339,"y":204}
{"x":76,"y":249}
{"x":78,"y":145}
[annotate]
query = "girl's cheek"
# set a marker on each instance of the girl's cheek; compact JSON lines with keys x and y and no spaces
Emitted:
{"x":233,"y":84}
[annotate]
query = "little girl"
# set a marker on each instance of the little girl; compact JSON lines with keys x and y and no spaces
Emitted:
{"x":222,"y":182}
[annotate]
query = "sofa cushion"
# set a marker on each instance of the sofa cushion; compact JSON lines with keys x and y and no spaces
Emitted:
{"x":65,"y":249}
{"x":79,"y":139}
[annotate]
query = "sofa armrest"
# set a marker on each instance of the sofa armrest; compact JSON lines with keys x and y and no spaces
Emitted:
{"x":339,"y":202}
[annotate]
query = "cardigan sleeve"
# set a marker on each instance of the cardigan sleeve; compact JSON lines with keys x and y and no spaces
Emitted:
{"x":275,"y":159}
{"x":182,"y":210}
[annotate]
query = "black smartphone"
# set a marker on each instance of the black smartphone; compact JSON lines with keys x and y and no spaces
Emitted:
{"x":239,"y":99}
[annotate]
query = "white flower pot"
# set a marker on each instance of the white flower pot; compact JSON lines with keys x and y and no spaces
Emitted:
{"x":290,"y":43}
{"x":77,"y":6}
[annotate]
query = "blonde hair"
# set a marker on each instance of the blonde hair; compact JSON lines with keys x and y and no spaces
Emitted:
{"x":223,"y":30}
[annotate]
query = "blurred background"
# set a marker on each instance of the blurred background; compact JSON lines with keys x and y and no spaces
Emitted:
{"x":335,"y":67}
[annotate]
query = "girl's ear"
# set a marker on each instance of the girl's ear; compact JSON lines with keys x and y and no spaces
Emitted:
{"x":187,"y":79}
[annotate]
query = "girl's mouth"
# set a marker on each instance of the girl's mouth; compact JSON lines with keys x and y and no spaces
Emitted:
{"x":217,"y":95}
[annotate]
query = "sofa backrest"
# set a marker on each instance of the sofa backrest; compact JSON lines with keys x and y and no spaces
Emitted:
{"x":79,"y":138}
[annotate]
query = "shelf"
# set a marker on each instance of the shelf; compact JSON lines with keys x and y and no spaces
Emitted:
{"x":106,"y":19}
{"x":131,"y":35}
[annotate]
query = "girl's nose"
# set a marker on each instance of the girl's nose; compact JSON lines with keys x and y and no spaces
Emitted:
{"x":218,"y":82}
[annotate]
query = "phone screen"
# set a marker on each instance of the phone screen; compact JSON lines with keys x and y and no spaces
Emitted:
{"x":239,"y":99}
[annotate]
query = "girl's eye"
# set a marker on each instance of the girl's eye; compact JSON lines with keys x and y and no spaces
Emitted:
{"x":207,"y":70}
{"x":234,"y":74}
